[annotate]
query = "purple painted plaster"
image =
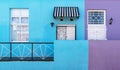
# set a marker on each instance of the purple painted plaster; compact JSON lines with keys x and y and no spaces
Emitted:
{"x":104,"y":55}
{"x":112,"y":8}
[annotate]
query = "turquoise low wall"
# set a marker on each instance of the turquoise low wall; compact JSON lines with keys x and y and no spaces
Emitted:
{"x":71,"y":55}
{"x":68,"y":55}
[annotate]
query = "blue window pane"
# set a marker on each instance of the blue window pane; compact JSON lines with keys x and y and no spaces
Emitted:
{"x":24,"y":20}
{"x":15,"y":19}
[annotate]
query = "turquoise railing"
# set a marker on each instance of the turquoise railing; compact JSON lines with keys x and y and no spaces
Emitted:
{"x":26,"y":51}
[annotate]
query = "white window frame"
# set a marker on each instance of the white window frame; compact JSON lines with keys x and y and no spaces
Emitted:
{"x":103,"y":26}
{"x":19,"y":23}
{"x":66,"y":25}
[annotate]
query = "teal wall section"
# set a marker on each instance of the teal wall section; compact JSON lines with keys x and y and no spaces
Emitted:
{"x":71,"y":55}
{"x":68,"y":55}
{"x":41,"y":15}
{"x":4,"y":23}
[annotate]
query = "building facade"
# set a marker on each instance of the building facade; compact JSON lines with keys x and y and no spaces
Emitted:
{"x":103,"y":54}
{"x":111,"y":13}
{"x":59,"y":35}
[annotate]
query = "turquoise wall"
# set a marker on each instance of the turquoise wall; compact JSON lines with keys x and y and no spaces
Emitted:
{"x":71,"y":55}
{"x":41,"y":15}
{"x":68,"y":55}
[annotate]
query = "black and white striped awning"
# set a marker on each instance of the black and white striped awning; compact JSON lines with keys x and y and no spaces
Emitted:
{"x":62,"y":12}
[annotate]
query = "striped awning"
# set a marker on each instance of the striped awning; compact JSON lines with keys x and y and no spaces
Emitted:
{"x":61,"y":12}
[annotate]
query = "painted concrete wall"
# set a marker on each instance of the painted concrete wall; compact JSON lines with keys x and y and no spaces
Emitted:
{"x":68,"y":55}
{"x":71,"y":55}
{"x":41,"y":15}
{"x":75,"y":54}
{"x":111,"y":7}
{"x":104,"y":55}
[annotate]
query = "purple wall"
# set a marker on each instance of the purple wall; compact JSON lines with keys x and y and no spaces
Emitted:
{"x":104,"y":55}
{"x":112,"y":10}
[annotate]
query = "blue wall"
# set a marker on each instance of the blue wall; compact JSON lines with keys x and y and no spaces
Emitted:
{"x":68,"y":55}
{"x":41,"y":15}
{"x":71,"y":55}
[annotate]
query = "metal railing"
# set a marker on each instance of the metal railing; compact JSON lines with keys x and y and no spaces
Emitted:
{"x":26,"y":51}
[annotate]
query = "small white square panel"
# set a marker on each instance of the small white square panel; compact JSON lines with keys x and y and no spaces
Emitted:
{"x":15,"y":12}
{"x":24,"y":12}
